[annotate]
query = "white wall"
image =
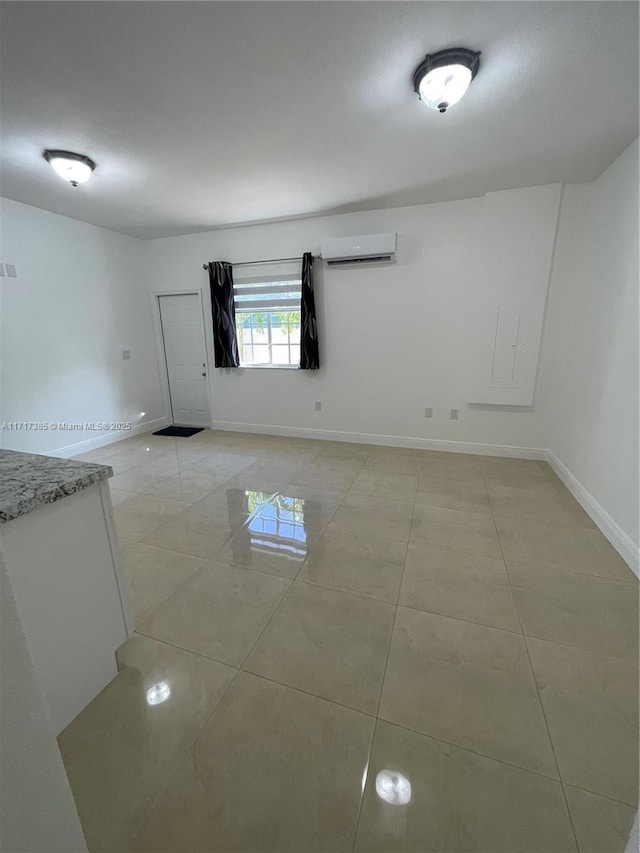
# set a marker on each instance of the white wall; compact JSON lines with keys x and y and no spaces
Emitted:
{"x":78,"y":300}
{"x":518,"y":236}
{"x":37,"y":811}
{"x":588,"y":383}
{"x":82,"y":296}
{"x":417,"y":313}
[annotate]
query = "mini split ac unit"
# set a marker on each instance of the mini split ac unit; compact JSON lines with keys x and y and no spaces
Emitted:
{"x":366,"y":249}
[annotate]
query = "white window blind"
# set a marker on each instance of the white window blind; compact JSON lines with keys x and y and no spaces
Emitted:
{"x":268,"y":321}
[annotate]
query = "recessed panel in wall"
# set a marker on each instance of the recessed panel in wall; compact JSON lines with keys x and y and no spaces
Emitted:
{"x":518,"y":235}
{"x":506,"y":344}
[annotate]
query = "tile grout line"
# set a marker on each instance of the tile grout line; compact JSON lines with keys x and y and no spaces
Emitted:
{"x":157,"y":795}
{"x":308,"y":693}
{"x":162,"y":603}
{"x":180,"y":585}
{"x":277,"y":608}
{"x":198,"y":735}
{"x":202,"y":567}
{"x":215,"y":557}
{"x":602,"y":796}
{"x":607,"y":578}
{"x":196,"y":556}
{"x":376,"y":717}
{"x":576,"y":529}
{"x":371,"y":716}
{"x":164,"y":788}
{"x":535,"y":680}
{"x":345,"y":591}
{"x":382,"y":681}
{"x":364,"y":786}
{"x":485,"y":755}
{"x":357,"y":594}
{"x":569,"y":646}
{"x":427,"y":735}
{"x":395,"y":614}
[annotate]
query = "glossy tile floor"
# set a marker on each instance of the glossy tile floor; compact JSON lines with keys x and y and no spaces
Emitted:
{"x":342,"y":647}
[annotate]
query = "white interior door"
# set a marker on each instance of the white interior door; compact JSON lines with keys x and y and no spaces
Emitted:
{"x":183,"y":335}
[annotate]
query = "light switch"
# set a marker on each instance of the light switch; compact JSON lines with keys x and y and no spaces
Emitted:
{"x":11,"y":271}
{"x":126,"y":354}
{"x":1,"y":269}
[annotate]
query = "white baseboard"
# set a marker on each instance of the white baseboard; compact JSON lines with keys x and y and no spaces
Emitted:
{"x":633,"y":844}
{"x":610,"y":528}
{"x":107,"y":438}
{"x":623,"y":544}
{"x":386,"y":440}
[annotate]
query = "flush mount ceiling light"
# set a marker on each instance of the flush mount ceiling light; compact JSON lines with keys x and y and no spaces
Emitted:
{"x":442,"y":78}
{"x":75,"y":168}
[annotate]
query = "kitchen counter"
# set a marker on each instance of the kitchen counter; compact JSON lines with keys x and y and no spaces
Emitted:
{"x":64,"y":571}
{"x":28,"y":481}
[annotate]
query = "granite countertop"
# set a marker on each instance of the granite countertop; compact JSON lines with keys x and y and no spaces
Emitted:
{"x":28,"y":481}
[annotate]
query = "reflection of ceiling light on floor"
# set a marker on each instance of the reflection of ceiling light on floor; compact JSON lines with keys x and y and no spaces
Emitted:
{"x":159,"y":693}
{"x":393,"y":787}
{"x":364,"y":777}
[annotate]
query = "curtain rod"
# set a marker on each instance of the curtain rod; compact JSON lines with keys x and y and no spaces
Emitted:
{"x":268,"y":261}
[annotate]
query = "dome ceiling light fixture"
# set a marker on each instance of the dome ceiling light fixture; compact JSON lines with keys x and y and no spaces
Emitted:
{"x":442,"y":78}
{"x":75,"y":168}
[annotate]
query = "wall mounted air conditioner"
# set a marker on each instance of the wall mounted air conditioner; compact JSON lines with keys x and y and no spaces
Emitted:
{"x":365,"y":249}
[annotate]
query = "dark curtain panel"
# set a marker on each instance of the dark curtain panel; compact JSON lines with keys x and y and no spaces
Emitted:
{"x":309,"y":357}
{"x":225,"y":341}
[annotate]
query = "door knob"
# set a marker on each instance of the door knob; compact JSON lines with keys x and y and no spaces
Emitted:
{"x":204,"y":374}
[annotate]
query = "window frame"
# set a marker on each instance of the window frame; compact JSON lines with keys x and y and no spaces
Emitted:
{"x":245,"y":284}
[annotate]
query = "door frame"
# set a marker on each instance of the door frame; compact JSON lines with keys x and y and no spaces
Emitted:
{"x":160,"y":351}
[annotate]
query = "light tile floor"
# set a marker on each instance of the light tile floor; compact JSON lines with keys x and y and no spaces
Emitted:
{"x":353,"y":648}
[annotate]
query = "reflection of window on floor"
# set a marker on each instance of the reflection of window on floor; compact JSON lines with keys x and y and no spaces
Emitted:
{"x":255,"y":500}
{"x":280,"y":527}
{"x":268,"y":322}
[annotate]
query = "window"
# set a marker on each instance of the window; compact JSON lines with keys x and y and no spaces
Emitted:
{"x":268,"y":321}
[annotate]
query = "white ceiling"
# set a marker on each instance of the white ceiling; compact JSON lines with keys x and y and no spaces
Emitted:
{"x":201,"y":115}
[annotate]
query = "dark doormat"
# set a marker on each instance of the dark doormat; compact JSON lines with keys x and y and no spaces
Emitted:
{"x":182,"y":432}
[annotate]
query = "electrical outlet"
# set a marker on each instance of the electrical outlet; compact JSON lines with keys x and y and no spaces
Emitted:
{"x":126,"y":354}
{"x":11,"y":271}
{"x":428,"y":413}
{"x":318,"y":405}
{"x":454,"y":414}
